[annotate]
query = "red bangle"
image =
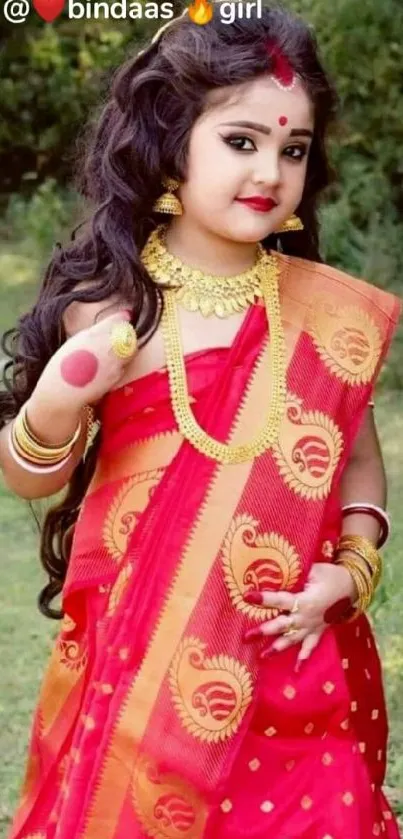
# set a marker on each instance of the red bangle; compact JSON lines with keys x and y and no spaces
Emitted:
{"x":382,"y":519}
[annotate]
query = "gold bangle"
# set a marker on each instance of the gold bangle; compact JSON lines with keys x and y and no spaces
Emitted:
{"x":366,"y":549}
{"x":363,"y":584}
{"x":32,"y":458}
{"x":24,"y":445}
{"x":23,"y":455}
{"x":24,"y":432}
{"x":359,"y":542}
{"x":32,"y":437}
{"x":65,"y":445}
{"x":361,"y":572}
{"x":368,"y":565}
{"x":34,"y":451}
{"x":375,"y":567}
{"x":25,"y":448}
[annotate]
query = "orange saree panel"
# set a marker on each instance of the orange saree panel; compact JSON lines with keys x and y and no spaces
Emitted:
{"x":155,"y":719}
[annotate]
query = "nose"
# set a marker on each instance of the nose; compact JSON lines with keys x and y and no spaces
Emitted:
{"x":268,"y":173}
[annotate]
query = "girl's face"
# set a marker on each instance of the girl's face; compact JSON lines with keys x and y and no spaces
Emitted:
{"x":266,"y":158}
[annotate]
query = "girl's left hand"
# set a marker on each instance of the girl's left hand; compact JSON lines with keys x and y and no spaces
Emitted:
{"x":329,"y":589}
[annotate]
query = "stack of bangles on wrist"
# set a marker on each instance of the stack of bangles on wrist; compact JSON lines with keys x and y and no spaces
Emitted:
{"x":34,"y":455}
{"x":376,"y":513}
{"x":361,"y":558}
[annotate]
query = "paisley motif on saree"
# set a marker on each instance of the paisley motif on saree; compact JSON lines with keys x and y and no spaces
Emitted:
{"x":167,"y":544}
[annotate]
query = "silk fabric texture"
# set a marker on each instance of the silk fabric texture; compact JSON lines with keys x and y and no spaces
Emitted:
{"x":155,"y":718}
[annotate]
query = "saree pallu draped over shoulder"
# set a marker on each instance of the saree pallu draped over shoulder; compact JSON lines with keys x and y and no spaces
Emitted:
{"x":154,"y":717}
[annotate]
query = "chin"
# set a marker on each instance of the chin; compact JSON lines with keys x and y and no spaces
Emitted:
{"x":251,"y":233}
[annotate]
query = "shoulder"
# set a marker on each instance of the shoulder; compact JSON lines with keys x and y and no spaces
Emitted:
{"x":315,"y":280}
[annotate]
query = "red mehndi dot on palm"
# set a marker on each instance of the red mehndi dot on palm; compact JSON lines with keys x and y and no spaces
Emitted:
{"x":79,"y":368}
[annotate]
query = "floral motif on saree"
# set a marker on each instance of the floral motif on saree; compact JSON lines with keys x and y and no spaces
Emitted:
{"x":347,"y":339}
{"x":167,"y":807}
{"x":255,"y":561}
{"x":210,"y":695}
{"x":308,"y":450}
{"x":67,"y":664}
{"x":131,"y":499}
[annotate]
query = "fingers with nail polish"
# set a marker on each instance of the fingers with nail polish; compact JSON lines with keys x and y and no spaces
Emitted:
{"x":254,"y":598}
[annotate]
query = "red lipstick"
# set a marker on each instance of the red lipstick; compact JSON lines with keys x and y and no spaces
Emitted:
{"x":257,"y":202}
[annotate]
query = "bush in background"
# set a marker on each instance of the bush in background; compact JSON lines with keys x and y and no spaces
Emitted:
{"x":51,"y":77}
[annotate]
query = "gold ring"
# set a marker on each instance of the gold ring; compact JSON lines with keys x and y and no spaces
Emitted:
{"x":123,"y":339}
{"x":295,"y":607}
{"x":291,"y":629}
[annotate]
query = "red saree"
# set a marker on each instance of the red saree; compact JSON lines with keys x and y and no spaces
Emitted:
{"x":154,"y":717}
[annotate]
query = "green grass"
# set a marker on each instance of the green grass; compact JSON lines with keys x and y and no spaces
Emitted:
{"x":25,"y":641}
{"x":17,"y":287}
{"x":25,"y":637}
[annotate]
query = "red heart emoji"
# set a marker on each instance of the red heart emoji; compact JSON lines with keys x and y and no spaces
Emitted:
{"x":48,"y":9}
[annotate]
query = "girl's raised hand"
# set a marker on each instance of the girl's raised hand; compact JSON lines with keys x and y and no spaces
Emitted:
{"x":85,"y":367}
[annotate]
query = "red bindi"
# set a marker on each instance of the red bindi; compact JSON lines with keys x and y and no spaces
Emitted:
{"x":79,"y":368}
{"x":283,"y":120}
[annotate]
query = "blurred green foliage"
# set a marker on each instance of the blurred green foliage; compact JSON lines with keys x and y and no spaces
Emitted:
{"x":51,"y":77}
{"x":362,"y":45}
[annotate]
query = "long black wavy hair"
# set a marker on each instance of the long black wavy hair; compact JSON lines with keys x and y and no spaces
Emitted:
{"x":141,"y":133}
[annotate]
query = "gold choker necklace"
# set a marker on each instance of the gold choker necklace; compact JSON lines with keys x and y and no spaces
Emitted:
{"x":166,"y":269}
{"x":196,"y":291}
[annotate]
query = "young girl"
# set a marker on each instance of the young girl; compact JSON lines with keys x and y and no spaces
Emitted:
{"x":215,"y":674}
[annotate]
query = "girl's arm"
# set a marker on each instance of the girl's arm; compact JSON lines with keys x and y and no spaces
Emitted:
{"x":364,"y":480}
{"x":55,"y":407}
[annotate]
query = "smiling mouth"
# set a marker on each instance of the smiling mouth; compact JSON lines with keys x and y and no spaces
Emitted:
{"x":262,"y":205}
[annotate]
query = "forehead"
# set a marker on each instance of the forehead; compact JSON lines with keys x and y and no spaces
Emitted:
{"x":261,"y":101}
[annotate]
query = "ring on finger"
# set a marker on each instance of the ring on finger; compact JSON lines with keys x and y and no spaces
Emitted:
{"x":292,"y":629}
{"x":295,"y":607}
{"x":123,"y":340}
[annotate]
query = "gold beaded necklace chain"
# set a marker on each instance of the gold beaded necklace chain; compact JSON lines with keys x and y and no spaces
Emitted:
{"x":222,"y":296}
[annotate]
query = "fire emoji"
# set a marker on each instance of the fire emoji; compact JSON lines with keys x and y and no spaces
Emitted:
{"x":201,"y":11}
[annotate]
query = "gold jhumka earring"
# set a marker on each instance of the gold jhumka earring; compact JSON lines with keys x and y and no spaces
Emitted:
{"x":291,"y":224}
{"x":167,"y":202}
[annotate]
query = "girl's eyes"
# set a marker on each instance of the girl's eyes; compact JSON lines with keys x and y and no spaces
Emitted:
{"x":235,"y":142}
{"x":295,"y":152}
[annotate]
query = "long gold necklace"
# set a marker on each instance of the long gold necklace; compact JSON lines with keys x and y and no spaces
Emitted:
{"x":227,"y":292}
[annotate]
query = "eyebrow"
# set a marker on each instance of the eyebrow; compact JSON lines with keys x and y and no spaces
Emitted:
{"x":264,"y":129}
